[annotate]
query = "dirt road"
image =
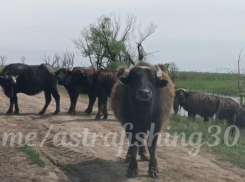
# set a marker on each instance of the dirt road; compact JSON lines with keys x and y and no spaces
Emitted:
{"x":88,"y":163}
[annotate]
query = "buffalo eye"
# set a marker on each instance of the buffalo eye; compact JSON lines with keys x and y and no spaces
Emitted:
{"x":152,"y":78}
{"x":161,"y":83}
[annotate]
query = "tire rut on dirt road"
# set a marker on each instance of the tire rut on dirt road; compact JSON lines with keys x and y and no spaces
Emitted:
{"x":98,"y":162}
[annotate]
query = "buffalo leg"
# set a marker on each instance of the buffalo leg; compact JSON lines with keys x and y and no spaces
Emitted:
{"x":16,"y":111}
{"x":143,"y":154}
{"x":176,"y":106}
{"x":47,"y":102}
{"x":10,"y":111}
{"x":133,"y":165}
{"x":205,"y":119}
{"x":92,"y":99}
{"x":191,"y":116}
{"x":74,"y":97}
{"x":128,"y":156}
{"x":100,"y":106}
{"x":69,"y":93}
{"x":105,"y":112}
{"x":153,"y":168}
{"x":56,"y":96}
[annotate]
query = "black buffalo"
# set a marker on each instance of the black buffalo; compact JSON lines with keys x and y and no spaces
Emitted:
{"x":63,"y":74}
{"x":142,"y":97}
{"x":99,"y":83}
{"x":30,"y":80}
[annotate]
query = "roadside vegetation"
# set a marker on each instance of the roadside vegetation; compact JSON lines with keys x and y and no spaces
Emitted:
{"x":32,"y":155}
{"x":234,"y":154}
{"x":214,"y":83}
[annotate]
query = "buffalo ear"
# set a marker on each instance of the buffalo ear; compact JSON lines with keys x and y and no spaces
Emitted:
{"x":161,"y":83}
{"x":124,"y":81}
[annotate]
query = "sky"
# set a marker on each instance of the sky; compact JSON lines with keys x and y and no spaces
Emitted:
{"x":198,"y":35}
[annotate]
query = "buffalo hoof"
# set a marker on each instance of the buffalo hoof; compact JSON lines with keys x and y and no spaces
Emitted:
{"x":153,"y":175}
{"x":97,"y":118}
{"x":56,"y":113}
{"x":132,"y":174}
{"x":127,"y":159}
{"x":73,"y":113}
{"x":16,"y":112}
{"x":9,"y":113}
{"x":143,"y":157}
{"x":87,"y":111}
{"x":104,"y":118}
{"x":41,"y":113}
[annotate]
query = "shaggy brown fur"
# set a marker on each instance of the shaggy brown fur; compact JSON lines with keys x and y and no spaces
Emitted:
{"x":141,"y":115}
{"x":87,"y":70}
{"x":120,"y":71}
{"x":195,"y":103}
{"x":231,"y":112}
{"x":227,"y":102}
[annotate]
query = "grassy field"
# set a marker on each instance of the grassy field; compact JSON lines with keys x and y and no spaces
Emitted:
{"x":234,"y":154}
{"x":218,"y":83}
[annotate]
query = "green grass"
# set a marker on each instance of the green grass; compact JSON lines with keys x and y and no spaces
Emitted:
{"x":32,"y":155}
{"x":234,"y":154}
{"x":218,"y":83}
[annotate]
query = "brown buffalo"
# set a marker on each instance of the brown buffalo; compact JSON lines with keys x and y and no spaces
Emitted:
{"x":232,"y":112}
{"x":143,"y":97}
{"x":195,"y":103}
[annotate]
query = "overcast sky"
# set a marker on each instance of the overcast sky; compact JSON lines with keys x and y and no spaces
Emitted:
{"x":198,"y":35}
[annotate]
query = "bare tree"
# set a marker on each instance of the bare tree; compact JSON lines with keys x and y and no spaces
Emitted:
{"x":67,"y":59}
{"x":56,"y":61}
{"x":52,"y":61}
{"x":64,"y":60}
{"x":238,"y":74}
{"x":150,"y":29}
{"x":46,"y":59}
{"x":82,"y":44}
{"x":3,"y":60}
{"x":23,"y":59}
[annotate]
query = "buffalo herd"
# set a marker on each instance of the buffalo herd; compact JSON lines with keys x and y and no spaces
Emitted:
{"x":208,"y":106}
{"x":142,"y":95}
